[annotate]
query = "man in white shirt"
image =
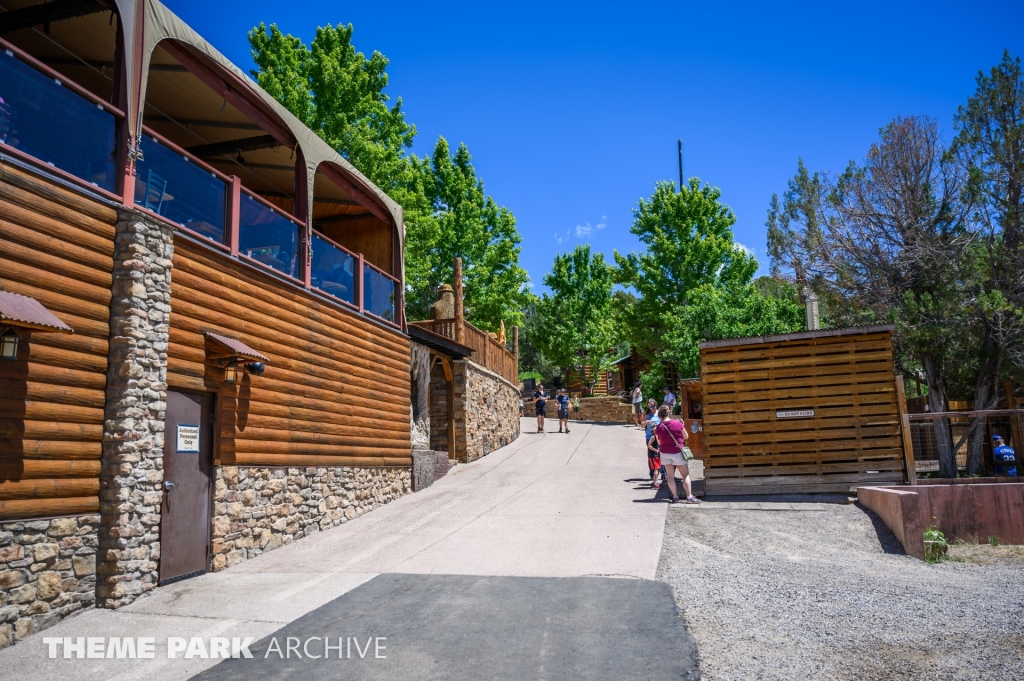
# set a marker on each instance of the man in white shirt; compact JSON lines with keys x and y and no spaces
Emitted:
{"x":638,"y":404}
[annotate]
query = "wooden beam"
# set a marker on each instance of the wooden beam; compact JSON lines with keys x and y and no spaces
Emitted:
{"x":198,"y":123}
{"x":48,"y":13}
{"x":460,"y":325}
{"x":928,"y":416}
{"x":330,"y":219}
{"x":909,"y":466}
{"x":236,"y":146}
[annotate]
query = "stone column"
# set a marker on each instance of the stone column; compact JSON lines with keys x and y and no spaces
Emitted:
{"x":133,"y":439}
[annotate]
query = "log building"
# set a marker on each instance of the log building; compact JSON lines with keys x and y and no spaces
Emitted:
{"x":202,"y":339}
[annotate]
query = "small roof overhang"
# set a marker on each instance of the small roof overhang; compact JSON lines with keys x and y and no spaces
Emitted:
{"x":442,"y":344}
{"x":232,"y":348}
{"x":29,"y":313}
{"x":799,"y":335}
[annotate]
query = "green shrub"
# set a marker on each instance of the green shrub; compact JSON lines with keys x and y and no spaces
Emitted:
{"x":935,"y":546}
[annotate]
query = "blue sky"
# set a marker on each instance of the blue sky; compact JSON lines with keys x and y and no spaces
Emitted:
{"x":572,"y":112}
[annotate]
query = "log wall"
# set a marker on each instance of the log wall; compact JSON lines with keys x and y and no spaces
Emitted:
{"x":56,"y":246}
{"x":334,"y":385}
{"x":852,"y":439}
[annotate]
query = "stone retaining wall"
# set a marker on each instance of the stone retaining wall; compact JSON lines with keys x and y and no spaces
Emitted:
{"x":490,"y":410}
{"x":258,"y":509}
{"x":604,"y":409}
{"x":47,"y":572}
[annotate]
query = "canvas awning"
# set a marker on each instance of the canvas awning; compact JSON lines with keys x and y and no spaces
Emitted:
{"x":29,"y":313}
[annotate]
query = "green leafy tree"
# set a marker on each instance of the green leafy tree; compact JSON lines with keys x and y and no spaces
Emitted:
{"x":694,"y":282}
{"x":578,"y":330}
{"x":339,"y":94}
{"x":464,"y":222}
{"x":531,"y":358}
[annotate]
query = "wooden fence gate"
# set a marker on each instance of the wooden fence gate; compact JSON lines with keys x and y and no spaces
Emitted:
{"x":807,"y":412}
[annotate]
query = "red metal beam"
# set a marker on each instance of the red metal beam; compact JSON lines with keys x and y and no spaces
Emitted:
{"x":232,"y":92}
{"x":362,"y":197}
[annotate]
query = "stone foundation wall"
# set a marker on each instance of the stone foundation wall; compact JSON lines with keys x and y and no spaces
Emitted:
{"x":47,"y":572}
{"x":131,"y":477}
{"x":258,"y":509}
{"x":489,"y":409}
{"x":603,"y":409}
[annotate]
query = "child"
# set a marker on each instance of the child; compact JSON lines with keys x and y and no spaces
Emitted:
{"x":653,"y":453}
{"x":563,"y":411}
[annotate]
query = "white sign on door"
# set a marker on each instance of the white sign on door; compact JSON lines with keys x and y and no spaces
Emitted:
{"x":188,"y":439}
{"x":794,"y":414}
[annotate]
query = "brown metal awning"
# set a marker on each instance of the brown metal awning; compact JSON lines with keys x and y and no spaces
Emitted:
{"x":29,"y":313}
{"x":235,"y":348}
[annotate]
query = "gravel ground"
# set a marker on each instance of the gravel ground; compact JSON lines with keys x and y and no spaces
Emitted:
{"x":829,"y":594}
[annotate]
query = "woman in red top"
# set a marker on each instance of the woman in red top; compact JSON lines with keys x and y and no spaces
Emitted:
{"x":672,"y":437}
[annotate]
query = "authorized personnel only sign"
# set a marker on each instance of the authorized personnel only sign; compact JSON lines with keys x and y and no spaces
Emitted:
{"x":795,"y":414}
{"x":188,"y":439}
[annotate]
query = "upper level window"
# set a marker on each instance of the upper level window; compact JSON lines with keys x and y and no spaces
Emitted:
{"x":42,"y":116}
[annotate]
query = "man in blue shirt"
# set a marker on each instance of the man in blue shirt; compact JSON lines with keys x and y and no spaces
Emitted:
{"x":540,"y":401}
{"x":1005,"y":458}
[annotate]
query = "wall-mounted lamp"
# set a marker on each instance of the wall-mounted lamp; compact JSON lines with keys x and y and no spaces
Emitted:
{"x":231,"y":372}
{"x":8,"y":343}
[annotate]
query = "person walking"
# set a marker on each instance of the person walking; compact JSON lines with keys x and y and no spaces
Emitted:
{"x":638,"y":404}
{"x":563,"y":410}
{"x":671,"y":437}
{"x":540,"y":401}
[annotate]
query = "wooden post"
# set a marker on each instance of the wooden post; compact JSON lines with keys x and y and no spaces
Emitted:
{"x":515,"y":351}
{"x":460,"y":329}
{"x":908,"y":443}
{"x":1016,"y":427}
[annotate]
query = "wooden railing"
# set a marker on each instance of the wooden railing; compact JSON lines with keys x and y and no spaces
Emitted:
{"x":487,"y":352}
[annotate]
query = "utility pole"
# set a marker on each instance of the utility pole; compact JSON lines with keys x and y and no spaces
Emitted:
{"x":680,"y":165}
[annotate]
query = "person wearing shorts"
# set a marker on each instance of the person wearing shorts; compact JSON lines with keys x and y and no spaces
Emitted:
{"x":540,"y":402}
{"x":638,"y":404}
{"x":563,"y":410}
{"x":671,"y":437}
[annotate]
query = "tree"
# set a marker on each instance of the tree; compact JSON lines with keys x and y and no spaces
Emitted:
{"x":578,"y":330}
{"x":339,"y":94}
{"x":694,"y":282}
{"x":888,"y":241}
{"x":464,"y":222}
{"x":531,"y":357}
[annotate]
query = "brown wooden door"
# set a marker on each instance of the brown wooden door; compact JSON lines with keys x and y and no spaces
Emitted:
{"x":188,"y":465}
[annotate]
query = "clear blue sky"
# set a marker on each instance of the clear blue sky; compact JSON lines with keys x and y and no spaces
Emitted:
{"x":572,"y":113}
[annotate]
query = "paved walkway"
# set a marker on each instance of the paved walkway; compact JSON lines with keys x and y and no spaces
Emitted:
{"x":546,"y":506}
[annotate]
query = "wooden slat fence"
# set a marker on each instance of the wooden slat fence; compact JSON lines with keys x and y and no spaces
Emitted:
{"x":807,"y":415}
{"x":487,"y":352}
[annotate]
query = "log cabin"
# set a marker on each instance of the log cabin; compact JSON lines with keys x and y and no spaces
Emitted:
{"x":204,"y":351}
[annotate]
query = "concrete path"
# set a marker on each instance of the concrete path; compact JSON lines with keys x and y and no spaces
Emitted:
{"x":546,"y":506}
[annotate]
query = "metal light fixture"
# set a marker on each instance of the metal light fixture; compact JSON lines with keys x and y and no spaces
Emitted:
{"x":255,"y":368}
{"x":8,"y":343}
{"x":231,"y":372}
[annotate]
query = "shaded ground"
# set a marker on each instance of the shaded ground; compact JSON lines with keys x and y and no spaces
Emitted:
{"x":827,"y":593}
{"x":463,"y":628}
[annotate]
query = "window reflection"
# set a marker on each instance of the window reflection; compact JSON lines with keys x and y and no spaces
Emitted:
{"x":267,"y":236}
{"x":41,"y":117}
{"x":333,"y":270}
{"x":172,"y":186}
